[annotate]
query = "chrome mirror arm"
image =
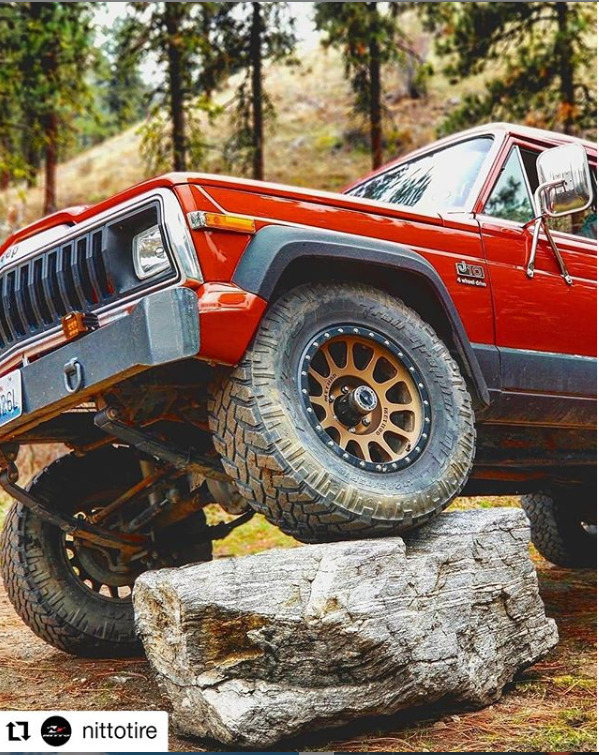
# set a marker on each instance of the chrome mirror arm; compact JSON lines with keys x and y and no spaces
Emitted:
{"x":540,"y":221}
{"x":560,"y":260}
{"x":530,"y":267}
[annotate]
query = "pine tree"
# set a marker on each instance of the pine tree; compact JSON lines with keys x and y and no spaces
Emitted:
{"x":369,"y":36}
{"x":176,"y":35}
{"x":249,"y":36}
{"x":125,"y":95}
{"x":11,"y":125}
{"x":48,"y":48}
{"x":541,"y":55}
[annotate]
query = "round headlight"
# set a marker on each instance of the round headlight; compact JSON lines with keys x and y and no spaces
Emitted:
{"x":149,"y":255}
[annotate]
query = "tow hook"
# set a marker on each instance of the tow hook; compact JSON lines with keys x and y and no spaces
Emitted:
{"x":73,"y":375}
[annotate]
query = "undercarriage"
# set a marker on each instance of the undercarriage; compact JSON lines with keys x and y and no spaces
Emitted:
{"x":163,"y":417}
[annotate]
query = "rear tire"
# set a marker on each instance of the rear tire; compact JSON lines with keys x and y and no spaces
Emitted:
{"x":560,"y":528}
{"x":38,"y":568}
{"x":319,"y":487}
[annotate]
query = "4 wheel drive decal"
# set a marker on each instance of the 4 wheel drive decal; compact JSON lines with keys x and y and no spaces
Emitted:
{"x":471,"y":275}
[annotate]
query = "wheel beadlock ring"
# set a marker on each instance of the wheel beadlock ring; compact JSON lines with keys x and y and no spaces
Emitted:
{"x":398,"y":353}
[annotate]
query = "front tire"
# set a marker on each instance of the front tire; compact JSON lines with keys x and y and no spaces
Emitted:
{"x":65,"y":591}
{"x":563,"y":525}
{"x":326,"y":466}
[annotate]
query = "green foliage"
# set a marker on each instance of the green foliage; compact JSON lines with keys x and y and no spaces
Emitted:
{"x":45,"y":49}
{"x":124,"y":94}
{"x":351,"y":27}
{"x":236,"y":52}
{"x":118,"y":100}
{"x":176,"y":37}
{"x":156,"y":145}
{"x":540,"y":54}
{"x":370,"y":37}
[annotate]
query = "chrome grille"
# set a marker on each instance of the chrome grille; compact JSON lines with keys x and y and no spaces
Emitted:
{"x":37,"y":293}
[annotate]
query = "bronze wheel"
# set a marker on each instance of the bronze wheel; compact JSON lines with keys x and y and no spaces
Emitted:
{"x":365,"y":398}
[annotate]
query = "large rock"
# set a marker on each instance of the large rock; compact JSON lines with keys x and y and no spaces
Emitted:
{"x":254,"y":649}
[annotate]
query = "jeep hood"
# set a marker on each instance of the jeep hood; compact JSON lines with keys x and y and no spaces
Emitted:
{"x":228,"y":194}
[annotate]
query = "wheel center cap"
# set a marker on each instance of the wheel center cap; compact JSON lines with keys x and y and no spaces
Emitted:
{"x":365,"y":399}
{"x":352,"y":406}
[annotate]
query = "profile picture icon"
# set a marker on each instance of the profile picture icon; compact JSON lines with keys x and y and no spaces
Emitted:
{"x":56,"y":731}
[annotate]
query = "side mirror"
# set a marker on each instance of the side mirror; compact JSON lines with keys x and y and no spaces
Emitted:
{"x":565,"y":184}
{"x":565,"y":187}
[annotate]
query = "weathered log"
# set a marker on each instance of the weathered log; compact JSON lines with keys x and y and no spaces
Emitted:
{"x":251,"y":650}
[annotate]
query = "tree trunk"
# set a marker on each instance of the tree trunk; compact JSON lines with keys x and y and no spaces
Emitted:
{"x":49,"y":119}
{"x":45,"y":110}
{"x":257,"y":111}
{"x":566,"y":69}
{"x":175,"y":71}
{"x":51,"y":162}
{"x":32,"y":157}
{"x":411,"y":68}
{"x":376,"y":129}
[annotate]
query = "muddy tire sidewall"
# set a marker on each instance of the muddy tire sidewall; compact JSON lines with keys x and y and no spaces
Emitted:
{"x":304,"y":463}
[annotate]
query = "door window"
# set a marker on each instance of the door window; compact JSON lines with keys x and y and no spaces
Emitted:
{"x":511,"y":197}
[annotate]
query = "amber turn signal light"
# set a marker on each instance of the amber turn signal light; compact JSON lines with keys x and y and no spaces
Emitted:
{"x":217,"y":221}
{"x":77,"y":324}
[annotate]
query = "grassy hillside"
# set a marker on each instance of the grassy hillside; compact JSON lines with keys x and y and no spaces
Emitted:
{"x":315,"y":141}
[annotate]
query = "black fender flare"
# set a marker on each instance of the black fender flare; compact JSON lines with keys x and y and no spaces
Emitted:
{"x":275,"y":247}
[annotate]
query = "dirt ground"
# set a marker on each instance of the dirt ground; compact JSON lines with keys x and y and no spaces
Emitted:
{"x":551,"y":707}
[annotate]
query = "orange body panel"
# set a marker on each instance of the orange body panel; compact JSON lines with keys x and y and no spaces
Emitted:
{"x":229,"y":318}
{"x":443,"y":242}
{"x":510,"y":311}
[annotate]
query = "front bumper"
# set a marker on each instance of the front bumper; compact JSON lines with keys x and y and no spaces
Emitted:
{"x":163,"y":327}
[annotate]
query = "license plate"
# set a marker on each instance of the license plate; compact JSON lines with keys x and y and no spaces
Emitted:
{"x":11,"y":397}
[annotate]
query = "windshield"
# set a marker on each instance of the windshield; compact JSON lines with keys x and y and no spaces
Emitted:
{"x":440,"y":180}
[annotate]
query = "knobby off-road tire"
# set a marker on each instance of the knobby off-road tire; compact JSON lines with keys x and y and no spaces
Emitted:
{"x":39,"y":578}
{"x":279,"y":459}
{"x":559,"y":529}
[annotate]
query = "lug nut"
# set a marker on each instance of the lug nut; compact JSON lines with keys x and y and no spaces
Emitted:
{"x":366,"y":421}
{"x":345,"y":389}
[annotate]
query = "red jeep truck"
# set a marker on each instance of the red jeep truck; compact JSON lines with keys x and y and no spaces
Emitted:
{"x":345,"y":364}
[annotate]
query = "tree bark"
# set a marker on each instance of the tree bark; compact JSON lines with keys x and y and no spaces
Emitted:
{"x":51,"y":161}
{"x":32,"y":156}
{"x":175,"y":73}
{"x":566,"y":69}
{"x":49,"y":118}
{"x":376,"y":130}
{"x":257,"y":110}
